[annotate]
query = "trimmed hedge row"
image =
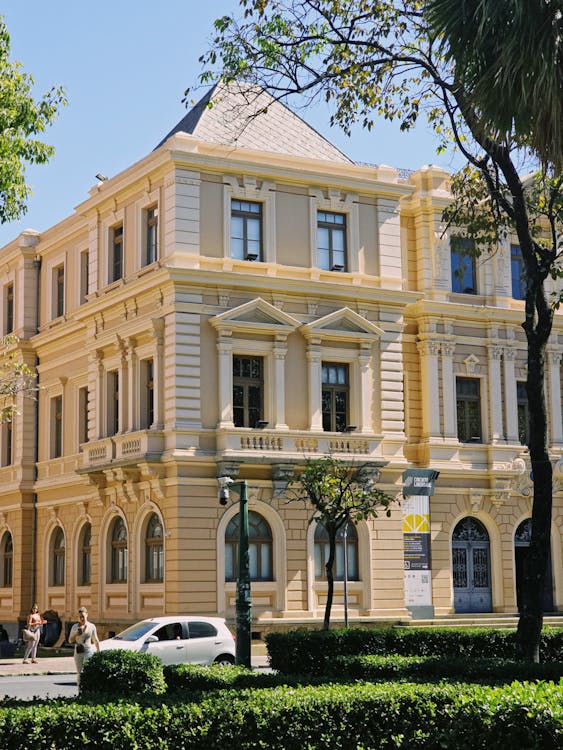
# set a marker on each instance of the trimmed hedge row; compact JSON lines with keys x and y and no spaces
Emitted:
{"x":435,"y":668}
{"x":331,"y":716}
{"x":117,"y":673}
{"x":313,"y":651}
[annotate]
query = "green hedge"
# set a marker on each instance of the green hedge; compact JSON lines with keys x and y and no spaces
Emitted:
{"x":190,"y":678}
{"x":344,"y":717}
{"x":117,"y":673}
{"x":435,"y":668}
{"x":313,"y":651}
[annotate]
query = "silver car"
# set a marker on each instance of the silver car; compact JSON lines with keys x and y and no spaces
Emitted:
{"x":178,"y":640}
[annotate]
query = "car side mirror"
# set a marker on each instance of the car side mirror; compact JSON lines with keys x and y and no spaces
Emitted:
{"x":151,"y":639}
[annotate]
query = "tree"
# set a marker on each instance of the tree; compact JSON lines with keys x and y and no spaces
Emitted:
{"x":394,"y":59}
{"x":340,"y":493}
{"x":21,"y":119}
{"x":15,"y":377}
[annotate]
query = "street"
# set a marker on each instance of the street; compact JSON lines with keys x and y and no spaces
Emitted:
{"x":29,"y":686}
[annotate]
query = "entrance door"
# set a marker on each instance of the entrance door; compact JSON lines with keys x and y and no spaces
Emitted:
{"x":471,"y":567}
{"x":521,"y":545}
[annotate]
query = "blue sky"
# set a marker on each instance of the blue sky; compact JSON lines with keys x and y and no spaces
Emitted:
{"x":125,"y":65}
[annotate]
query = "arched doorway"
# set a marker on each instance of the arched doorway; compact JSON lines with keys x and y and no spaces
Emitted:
{"x":522,"y":539}
{"x":471,"y":567}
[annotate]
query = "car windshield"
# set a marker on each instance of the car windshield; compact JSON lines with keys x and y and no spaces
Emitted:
{"x":135,"y":632}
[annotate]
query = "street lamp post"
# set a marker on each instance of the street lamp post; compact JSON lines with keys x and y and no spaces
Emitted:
{"x":346,"y":574}
{"x":243,"y":600}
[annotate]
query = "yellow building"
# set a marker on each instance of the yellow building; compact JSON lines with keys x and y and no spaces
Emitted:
{"x":238,"y":300}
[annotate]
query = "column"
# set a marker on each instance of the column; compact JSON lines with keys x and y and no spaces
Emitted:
{"x":225,"y":352}
{"x":96,"y":413}
{"x":158,"y":374}
{"x":123,"y":419}
{"x":554,"y":380}
{"x":314,"y":361}
{"x":448,"y":389}
{"x":366,"y":386}
{"x":428,"y":350}
{"x":133,"y":385}
{"x":495,"y":393}
{"x":280,"y":352}
{"x":510,"y":403}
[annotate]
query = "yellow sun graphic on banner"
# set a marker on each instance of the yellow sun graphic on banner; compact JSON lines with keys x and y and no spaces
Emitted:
{"x":416,"y":522}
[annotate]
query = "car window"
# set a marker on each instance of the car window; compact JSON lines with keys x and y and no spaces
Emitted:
{"x":171,"y":632}
{"x":202,"y":630}
{"x":135,"y":631}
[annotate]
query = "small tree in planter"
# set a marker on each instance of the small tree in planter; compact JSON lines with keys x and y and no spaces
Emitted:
{"x":340,"y":493}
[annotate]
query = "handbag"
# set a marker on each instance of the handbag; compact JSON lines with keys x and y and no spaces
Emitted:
{"x":27,"y":635}
{"x":80,"y":648}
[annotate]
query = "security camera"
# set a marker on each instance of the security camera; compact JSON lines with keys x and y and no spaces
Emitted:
{"x":224,"y":483}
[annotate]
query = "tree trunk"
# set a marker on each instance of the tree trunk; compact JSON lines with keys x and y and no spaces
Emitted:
{"x":531,"y":614}
{"x":329,"y":567}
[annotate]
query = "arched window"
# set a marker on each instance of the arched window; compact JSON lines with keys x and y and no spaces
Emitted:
{"x":118,"y":551}
{"x":322,"y":551}
{"x":259,"y":548}
{"x":85,"y":556}
{"x":7,"y":553}
{"x":154,"y":550}
{"x":58,"y":576}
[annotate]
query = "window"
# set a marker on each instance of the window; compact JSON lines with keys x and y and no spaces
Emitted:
{"x":335,"y":396}
{"x":7,"y":443}
{"x":259,"y":548}
{"x":173,"y":631}
{"x":154,"y":550}
{"x":147,"y":394}
{"x":116,"y":254}
{"x":84,"y":271}
{"x":151,"y":247}
{"x":9,"y":309}
{"x":58,"y":571}
{"x":82,"y":416}
{"x":118,"y":568}
{"x":523,"y":412}
{"x":7,"y":553}
{"x":202,"y":630}
{"x":322,"y":553}
{"x":58,"y":291}
{"x":113,"y":402}
{"x":246,"y":230}
{"x":248,"y":387}
{"x":464,"y":277}
{"x":331,"y":241}
{"x":57,"y":427}
{"x":517,"y":272}
{"x":468,"y":398}
{"x":85,"y":556}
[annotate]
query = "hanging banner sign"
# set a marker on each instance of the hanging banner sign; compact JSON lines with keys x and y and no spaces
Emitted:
{"x":418,"y":486}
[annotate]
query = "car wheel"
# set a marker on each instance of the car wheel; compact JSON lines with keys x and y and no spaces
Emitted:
{"x":225,"y":660}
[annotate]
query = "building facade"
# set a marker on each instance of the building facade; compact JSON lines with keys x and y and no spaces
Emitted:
{"x":235,"y":302}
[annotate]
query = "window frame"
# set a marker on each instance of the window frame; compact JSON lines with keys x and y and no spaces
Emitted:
{"x":58,"y":277}
{"x":116,"y":243}
{"x":7,"y":443}
{"x":56,"y":416}
{"x":118,"y":551}
{"x":321,"y":552}
{"x":523,"y":410}
{"x":467,"y":400}
{"x":154,"y":550}
{"x":84,"y":281}
{"x":519,"y":280}
{"x":331,"y":228}
{"x":246,"y":216}
{"x":334,"y":390}
{"x":246,"y":383}
{"x":458,"y":281}
{"x":112,"y":402}
{"x":85,"y":555}
{"x":261,"y":548}
{"x":58,"y":557}
{"x":151,"y":227}
{"x":7,"y":580}
{"x":9,"y":308}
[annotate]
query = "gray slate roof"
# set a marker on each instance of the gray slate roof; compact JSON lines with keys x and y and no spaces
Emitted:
{"x":245,"y":116}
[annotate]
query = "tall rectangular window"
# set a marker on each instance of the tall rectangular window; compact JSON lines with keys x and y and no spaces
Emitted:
{"x":246,"y":230}
{"x":151,"y":247}
{"x":9,"y":309}
{"x":113,"y":402}
{"x":331,"y":241}
{"x":523,"y":412}
{"x":84,"y":271}
{"x":248,"y":385}
{"x":82,"y":416}
{"x":7,"y":444}
{"x":335,"y":396}
{"x":147,"y":394}
{"x":116,"y":259}
{"x":57,"y":427}
{"x":517,"y":272}
{"x":468,"y":401}
{"x":58,"y":291}
{"x":464,"y":275}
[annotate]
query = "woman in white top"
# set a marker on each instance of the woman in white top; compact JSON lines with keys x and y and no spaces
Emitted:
{"x":85,"y":638}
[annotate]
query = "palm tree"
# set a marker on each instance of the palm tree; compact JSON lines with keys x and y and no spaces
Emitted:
{"x":509,"y":53}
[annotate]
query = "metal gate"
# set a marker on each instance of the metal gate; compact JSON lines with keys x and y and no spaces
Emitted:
{"x":471,"y":567}
{"x":521,"y":545}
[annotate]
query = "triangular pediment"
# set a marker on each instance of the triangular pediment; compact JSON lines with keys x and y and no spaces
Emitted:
{"x":343,"y":324}
{"x":258,"y":316}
